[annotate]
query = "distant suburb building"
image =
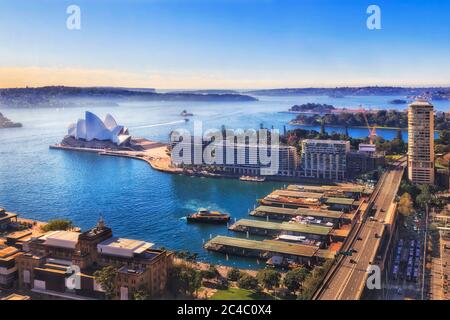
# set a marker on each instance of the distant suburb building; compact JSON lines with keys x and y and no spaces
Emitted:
{"x":45,"y":268}
{"x":421,"y":142}
{"x":324,"y":159}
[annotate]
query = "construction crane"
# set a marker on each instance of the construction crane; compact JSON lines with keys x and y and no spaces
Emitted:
{"x":372,"y":130}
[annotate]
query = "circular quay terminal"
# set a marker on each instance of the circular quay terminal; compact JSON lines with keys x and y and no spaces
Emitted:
{"x":224,"y":158}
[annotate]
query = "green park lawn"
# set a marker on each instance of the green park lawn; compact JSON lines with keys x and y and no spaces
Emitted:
{"x":240,"y":294}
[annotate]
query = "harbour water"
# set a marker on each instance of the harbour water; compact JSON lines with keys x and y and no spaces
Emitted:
{"x":135,"y":200}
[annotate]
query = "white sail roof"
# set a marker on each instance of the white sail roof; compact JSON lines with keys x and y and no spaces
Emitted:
{"x":93,"y":128}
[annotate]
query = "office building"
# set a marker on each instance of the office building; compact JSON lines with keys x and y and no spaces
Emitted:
{"x":324,"y":159}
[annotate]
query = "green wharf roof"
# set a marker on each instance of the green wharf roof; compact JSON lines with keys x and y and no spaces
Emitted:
{"x":266,"y":245}
{"x":285,"y":226}
{"x":343,"y":201}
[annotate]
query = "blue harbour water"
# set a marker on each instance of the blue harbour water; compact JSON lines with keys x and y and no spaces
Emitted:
{"x":135,"y":200}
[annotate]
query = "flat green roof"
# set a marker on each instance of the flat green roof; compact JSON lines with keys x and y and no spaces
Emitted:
{"x":285,"y":226}
{"x":297,"y":194}
{"x":343,"y":188}
{"x":266,"y":245}
{"x":344,"y":201}
{"x":318,"y":213}
{"x":270,"y":209}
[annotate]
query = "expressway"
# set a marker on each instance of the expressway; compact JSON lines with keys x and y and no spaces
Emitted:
{"x":347,"y":281}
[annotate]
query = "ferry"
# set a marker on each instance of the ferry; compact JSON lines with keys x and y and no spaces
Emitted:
{"x":252,"y":179}
{"x":204,"y":215}
{"x":184,"y":113}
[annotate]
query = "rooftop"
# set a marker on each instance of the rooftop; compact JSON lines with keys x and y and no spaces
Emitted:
{"x":318,"y":213}
{"x":343,"y":201}
{"x":343,"y":187}
{"x":15,"y":296}
{"x":270,"y":209}
{"x":7,"y":252}
{"x":421,"y":103}
{"x":6,"y":215}
{"x":266,"y":245}
{"x":123,"y":247}
{"x":297,"y":194}
{"x":63,"y":239}
{"x":325,"y":141}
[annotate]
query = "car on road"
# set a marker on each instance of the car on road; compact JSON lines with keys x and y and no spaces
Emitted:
{"x":352,"y":261}
{"x":359,"y":238}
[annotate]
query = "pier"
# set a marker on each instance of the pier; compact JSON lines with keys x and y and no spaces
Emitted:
{"x":310,"y":231}
{"x":265,"y":249}
{"x":287,"y":214}
{"x":313,"y":222}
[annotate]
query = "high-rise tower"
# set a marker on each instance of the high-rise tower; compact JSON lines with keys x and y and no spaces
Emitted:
{"x":421,"y":142}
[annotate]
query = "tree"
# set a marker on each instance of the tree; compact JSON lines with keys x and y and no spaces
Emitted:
{"x":407,"y":187}
{"x":107,"y":278}
{"x":405,"y":205}
{"x":141,"y":294}
{"x":248,"y":282}
{"x":424,"y":198}
{"x":399,"y":135}
{"x":185,"y":279}
{"x":269,"y":278}
{"x":57,"y":224}
{"x":233,"y":274}
{"x":211,"y":273}
{"x":294,"y":278}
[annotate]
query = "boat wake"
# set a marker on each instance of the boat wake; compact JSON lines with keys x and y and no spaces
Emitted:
{"x":158,"y":124}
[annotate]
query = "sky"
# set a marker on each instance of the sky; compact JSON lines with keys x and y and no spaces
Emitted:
{"x":229,"y":44}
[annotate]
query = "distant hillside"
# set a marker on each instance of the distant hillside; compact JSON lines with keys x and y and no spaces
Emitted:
{"x":61,"y":96}
{"x":436,"y":93}
{"x":6,"y":123}
{"x":207,"y":91}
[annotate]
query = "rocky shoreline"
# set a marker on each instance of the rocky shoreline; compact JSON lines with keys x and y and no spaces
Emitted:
{"x":6,"y":123}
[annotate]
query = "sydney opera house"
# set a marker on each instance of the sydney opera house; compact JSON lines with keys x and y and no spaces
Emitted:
{"x":93,"y":128}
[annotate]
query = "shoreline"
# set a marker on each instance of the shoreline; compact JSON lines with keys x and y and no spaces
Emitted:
{"x":351,"y":127}
{"x":155,"y":155}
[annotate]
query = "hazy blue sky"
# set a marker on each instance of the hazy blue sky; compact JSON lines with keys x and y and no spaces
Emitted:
{"x":224,"y":43}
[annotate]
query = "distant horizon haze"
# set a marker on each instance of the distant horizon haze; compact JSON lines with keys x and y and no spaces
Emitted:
{"x":201,"y":44}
